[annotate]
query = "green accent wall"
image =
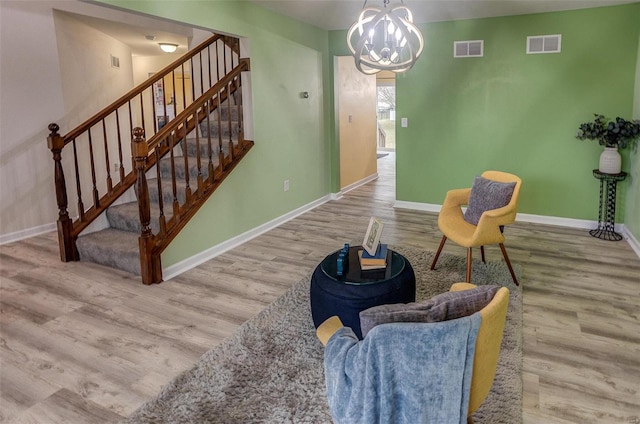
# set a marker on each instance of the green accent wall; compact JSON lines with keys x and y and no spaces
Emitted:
{"x":632,"y":214}
{"x":507,"y":110}
{"x":512,"y":111}
{"x":290,"y":132}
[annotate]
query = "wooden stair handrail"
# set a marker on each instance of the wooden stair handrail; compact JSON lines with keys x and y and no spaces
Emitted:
{"x":130,"y":179}
{"x":80,"y":129}
{"x":243,"y":66}
{"x":215,"y":67}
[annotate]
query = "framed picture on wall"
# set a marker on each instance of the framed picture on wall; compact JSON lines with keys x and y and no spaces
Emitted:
{"x":158,"y":91}
{"x":372,"y":237}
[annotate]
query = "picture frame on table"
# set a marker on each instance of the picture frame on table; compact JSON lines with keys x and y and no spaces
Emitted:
{"x":372,"y":236}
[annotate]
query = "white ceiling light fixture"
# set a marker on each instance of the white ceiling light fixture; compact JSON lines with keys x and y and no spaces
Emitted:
{"x":385,"y":39}
{"x":168,"y":47}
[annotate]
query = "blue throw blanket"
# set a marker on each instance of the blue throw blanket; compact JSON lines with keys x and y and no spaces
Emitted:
{"x":402,"y":372}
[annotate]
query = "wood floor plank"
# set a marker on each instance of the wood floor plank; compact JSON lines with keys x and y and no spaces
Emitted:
{"x":82,"y":343}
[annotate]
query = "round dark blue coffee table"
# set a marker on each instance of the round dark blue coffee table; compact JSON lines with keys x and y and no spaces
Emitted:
{"x":347,"y":295}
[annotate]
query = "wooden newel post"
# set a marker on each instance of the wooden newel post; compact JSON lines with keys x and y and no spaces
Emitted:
{"x":150,"y":268}
{"x":68,"y":251}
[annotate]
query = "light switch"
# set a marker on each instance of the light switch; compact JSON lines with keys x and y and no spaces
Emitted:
{"x":404,"y":122}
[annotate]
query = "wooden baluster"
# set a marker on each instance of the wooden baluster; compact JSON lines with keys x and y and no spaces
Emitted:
{"x":164,"y":103}
{"x":174,"y":186}
{"x":96,"y":195}
{"x":198,"y":156}
{"x":121,"y":169}
{"x":230,"y":126}
{"x":162,"y":219}
{"x":219,"y":117}
{"x":68,"y":251}
{"x":240,"y":116}
{"x":154,"y":112}
{"x":184,"y":90}
{"x":142,"y":111}
{"x":193,"y":83}
{"x":224,"y":58}
{"x":78,"y":186}
{"x":133,"y":164}
{"x":209,"y":66}
{"x":202,"y":90}
{"x":217,"y":62}
{"x":187,"y":176}
{"x":106,"y":157}
{"x":212,"y":175}
{"x":150,"y":268}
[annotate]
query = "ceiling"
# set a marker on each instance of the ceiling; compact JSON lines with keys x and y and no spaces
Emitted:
{"x":326,"y":14}
{"x":137,"y":35}
{"x":340,"y":14}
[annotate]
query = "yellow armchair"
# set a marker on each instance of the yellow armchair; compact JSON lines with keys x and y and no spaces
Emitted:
{"x":487,"y":349}
{"x":488,"y":344}
{"x":490,"y":226}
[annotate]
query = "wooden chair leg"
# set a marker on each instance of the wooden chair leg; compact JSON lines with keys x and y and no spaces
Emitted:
{"x":469,"y":265}
{"x":482,"y":253}
{"x":435,"y":258}
{"x":506,"y":258}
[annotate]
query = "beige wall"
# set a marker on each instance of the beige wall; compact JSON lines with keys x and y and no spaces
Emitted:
{"x":90,"y":83}
{"x":356,"y":103}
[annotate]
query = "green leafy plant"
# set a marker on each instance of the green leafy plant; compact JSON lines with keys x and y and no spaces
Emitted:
{"x":610,"y":133}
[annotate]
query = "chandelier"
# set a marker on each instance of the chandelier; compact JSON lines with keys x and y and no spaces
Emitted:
{"x":385,"y":39}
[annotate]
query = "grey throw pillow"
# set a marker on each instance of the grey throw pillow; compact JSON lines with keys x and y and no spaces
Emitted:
{"x":443,"y":307}
{"x":486,"y":195}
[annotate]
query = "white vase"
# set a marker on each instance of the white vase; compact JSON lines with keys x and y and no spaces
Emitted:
{"x":610,"y":161}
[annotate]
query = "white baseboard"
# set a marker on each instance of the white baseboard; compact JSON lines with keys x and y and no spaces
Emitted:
{"x":425,"y":207}
{"x":536,"y":219}
{"x":633,"y":242}
{"x":359,"y":183}
{"x":29,"y":232}
{"x":214,"y":251}
{"x":195,"y":260}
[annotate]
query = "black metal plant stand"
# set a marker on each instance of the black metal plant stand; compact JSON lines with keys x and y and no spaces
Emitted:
{"x":607,"y":211}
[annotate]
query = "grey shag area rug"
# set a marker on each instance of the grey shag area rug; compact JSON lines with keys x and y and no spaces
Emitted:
{"x":271,"y":369}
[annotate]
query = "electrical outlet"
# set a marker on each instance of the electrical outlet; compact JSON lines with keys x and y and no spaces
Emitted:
{"x":116,"y":167}
{"x":286,"y":185}
{"x":404,"y":122}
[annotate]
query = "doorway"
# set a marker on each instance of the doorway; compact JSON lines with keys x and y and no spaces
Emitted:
{"x":386,"y":112}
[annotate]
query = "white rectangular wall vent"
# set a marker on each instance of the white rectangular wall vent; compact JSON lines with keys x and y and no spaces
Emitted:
{"x":544,"y":44}
{"x":115,"y":62}
{"x":472,"y":48}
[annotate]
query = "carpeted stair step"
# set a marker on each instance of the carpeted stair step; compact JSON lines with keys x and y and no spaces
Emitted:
{"x":204,"y":147}
{"x":111,"y":247}
{"x":165,"y":166}
{"x":126,"y":217}
{"x":167,"y":191}
{"x":225,"y":110}
{"x":213,"y":129}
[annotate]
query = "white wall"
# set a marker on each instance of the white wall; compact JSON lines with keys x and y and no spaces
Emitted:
{"x":89,"y":83}
{"x":143,"y":65}
{"x":52,"y":69}
{"x":30,"y":98}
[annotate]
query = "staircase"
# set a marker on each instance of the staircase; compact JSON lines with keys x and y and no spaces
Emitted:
{"x":173,"y":172}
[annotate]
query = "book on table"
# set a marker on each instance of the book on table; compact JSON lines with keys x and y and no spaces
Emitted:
{"x":377,"y":261}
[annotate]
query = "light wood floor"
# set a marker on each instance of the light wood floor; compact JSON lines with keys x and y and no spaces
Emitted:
{"x":81,"y":343}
